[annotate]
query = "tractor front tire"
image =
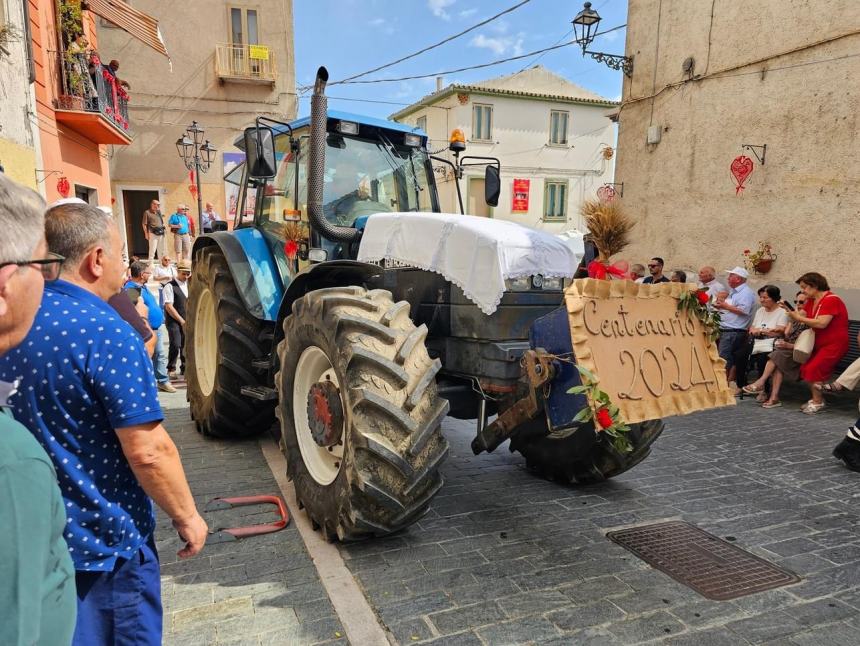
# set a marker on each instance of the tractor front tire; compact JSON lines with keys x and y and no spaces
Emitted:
{"x":353,"y":363}
{"x":582,"y":457}
{"x":221,"y":341}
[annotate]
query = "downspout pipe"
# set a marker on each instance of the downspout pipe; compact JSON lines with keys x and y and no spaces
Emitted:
{"x":316,"y":167}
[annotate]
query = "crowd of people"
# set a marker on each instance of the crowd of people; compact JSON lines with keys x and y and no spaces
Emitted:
{"x":83,"y":449}
{"x":181,"y":226}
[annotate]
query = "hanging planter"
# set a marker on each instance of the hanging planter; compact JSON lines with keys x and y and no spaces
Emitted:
{"x":763,"y":266}
{"x":761,"y":260}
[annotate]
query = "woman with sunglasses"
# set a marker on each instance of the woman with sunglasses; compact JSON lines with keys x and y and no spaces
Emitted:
{"x":781,"y":365}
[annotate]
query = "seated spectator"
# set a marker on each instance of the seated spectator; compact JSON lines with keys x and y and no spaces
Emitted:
{"x":768,"y":324}
{"x":678,"y":276}
{"x":826,"y":314}
{"x":655,"y":268}
{"x":37,"y":578}
{"x":637,"y":272}
{"x":848,"y":450}
{"x":780,"y":366}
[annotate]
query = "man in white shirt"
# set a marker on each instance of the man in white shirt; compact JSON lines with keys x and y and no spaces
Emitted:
{"x":708,"y":280}
{"x":175,"y":296}
{"x":736,"y":315}
{"x":208,"y":217}
{"x":163,"y":272}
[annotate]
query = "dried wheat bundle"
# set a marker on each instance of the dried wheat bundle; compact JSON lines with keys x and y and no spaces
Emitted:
{"x":609,"y":226}
{"x":295,"y":231}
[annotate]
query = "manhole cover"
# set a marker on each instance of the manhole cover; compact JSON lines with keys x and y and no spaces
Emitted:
{"x":712,"y":567}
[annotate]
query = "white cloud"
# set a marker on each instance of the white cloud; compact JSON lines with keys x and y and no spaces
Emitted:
{"x":376,"y":22}
{"x":438,"y":8}
{"x":467,"y":12}
{"x":384,"y":24}
{"x":609,"y":37}
{"x":499,"y":45}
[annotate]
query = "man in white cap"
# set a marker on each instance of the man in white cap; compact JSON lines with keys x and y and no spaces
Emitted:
{"x":735,"y":318}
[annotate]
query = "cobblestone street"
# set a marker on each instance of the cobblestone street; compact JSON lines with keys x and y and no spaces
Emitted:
{"x":506,"y":558}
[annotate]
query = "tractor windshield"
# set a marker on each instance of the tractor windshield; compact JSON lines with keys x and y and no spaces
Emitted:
{"x":364,"y":177}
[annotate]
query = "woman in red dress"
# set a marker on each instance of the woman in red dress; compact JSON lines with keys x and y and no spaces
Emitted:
{"x":827,"y":315}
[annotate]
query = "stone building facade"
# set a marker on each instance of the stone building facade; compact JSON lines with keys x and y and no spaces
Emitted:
{"x":708,"y":80}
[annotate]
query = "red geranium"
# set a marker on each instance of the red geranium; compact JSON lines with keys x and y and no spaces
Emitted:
{"x":604,"y":418}
{"x":703,"y":297}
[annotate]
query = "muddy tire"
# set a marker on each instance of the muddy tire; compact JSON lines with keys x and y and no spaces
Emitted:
{"x":583,"y":457}
{"x":383,"y":470}
{"x":222,"y":339}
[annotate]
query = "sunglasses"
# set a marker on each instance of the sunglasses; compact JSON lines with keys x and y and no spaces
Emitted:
{"x":50,"y":266}
{"x":653,"y":266}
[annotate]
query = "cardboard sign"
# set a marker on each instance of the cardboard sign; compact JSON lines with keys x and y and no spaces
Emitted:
{"x":520,"y":201}
{"x":258,"y":52}
{"x":652,"y":360}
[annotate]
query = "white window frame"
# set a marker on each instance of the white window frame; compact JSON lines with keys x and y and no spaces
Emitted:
{"x":552,"y":217}
{"x":421,"y":122}
{"x":564,"y":138}
{"x":477,"y":136}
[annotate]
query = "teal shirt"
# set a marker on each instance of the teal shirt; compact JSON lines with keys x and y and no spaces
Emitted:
{"x":178,"y":219}
{"x":37,"y":578}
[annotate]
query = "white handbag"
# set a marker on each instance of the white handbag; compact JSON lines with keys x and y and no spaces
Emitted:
{"x":803,"y":346}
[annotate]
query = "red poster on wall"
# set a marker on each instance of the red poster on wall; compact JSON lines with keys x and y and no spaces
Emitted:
{"x":520,"y":196}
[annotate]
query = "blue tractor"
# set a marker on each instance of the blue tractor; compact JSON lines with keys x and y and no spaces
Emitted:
{"x":357,"y":363}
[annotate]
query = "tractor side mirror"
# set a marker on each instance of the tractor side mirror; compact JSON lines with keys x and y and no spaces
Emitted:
{"x":260,"y":152}
{"x":492,"y":185}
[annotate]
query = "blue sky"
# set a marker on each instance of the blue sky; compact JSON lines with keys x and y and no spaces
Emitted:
{"x":351,"y":36}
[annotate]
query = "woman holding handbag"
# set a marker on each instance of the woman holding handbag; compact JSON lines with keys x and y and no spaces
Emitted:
{"x":826,"y":314}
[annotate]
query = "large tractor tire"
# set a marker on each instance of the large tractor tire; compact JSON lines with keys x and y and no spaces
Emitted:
{"x":581,"y":457}
{"x":360,"y":415}
{"x":221,"y":341}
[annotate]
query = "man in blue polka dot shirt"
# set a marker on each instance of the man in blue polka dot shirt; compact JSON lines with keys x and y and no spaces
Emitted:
{"x":87,"y":391}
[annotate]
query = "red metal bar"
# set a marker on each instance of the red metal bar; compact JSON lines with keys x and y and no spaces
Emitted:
{"x":254,"y":530}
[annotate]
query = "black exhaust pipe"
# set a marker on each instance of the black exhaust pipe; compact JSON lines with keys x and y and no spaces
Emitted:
{"x":316,"y":167}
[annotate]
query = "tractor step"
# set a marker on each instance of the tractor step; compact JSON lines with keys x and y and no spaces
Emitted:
{"x":260,"y":364}
{"x":263,"y":393}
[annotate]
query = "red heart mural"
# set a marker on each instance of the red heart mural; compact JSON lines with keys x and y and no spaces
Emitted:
{"x":742,"y":168}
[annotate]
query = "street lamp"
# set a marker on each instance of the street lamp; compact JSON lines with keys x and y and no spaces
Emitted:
{"x":585,"y":29}
{"x":198,"y":157}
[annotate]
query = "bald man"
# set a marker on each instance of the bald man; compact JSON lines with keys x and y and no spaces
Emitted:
{"x":708,"y":280}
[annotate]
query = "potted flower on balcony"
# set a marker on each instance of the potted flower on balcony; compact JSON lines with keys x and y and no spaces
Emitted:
{"x":761,"y":260}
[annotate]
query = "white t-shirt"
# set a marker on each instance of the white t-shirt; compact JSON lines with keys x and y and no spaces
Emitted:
{"x":160,"y":271}
{"x":768,"y":320}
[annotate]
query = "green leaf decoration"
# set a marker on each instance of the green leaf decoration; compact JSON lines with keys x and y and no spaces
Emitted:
{"x":578,"y":390}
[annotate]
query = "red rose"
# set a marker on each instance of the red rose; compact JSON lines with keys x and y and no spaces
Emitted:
{"x":604,"y":418}
{"x":746,"y":252}
{"x":703,"y":297}
{"x":291,"y":249}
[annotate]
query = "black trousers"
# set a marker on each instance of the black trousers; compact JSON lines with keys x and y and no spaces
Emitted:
{"x":176,"y":335}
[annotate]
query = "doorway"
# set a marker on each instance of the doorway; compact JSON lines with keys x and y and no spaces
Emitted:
{"x":134,"y":204}
{"x":475,"y":203}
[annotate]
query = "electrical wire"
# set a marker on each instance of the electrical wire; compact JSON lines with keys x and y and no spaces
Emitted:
{"x":475,"y":67}
{"x":428,"y":48}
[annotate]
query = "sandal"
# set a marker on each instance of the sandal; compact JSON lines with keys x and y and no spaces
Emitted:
{"x":834,"y":387}
{"x":775,"y":404}
{"x":803,"y":406}
{"x":761,"y":397}
{"x":812,"y":408}
{"x":752,"y":389}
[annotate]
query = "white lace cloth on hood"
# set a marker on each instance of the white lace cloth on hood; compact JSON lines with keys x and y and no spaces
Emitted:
{"x":476,"y":254}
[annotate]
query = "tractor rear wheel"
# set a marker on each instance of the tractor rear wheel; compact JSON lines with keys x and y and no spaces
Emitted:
{"x":360,"y":415}
{"x":581,"y":457}
{"x":222,"y":339}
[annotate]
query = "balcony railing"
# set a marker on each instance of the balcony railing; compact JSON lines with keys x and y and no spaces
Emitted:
{"x":245,"y":63}
{"x":88,"y":86}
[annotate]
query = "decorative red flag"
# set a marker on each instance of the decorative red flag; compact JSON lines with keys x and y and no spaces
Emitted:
{"x":742,"y":168}
{"x":63,"y":186}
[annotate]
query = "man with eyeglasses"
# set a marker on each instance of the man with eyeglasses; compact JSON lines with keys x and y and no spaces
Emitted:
{"x":140,"y":274}
{"x":37,"y":578}
{"x":180,"y":225}
{"x":655,"y":268}
{"x":88,"y":393}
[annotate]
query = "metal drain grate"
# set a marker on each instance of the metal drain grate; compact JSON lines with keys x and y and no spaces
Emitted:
{"x":709,"y":565}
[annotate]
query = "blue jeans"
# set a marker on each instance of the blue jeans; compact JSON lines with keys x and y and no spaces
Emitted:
{"x":159,"y":358}
{"x":121,"y":607}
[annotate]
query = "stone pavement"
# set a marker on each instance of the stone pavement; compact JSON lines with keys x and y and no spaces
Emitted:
{"x":506,"y":558}
{"x":263,"y":590}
